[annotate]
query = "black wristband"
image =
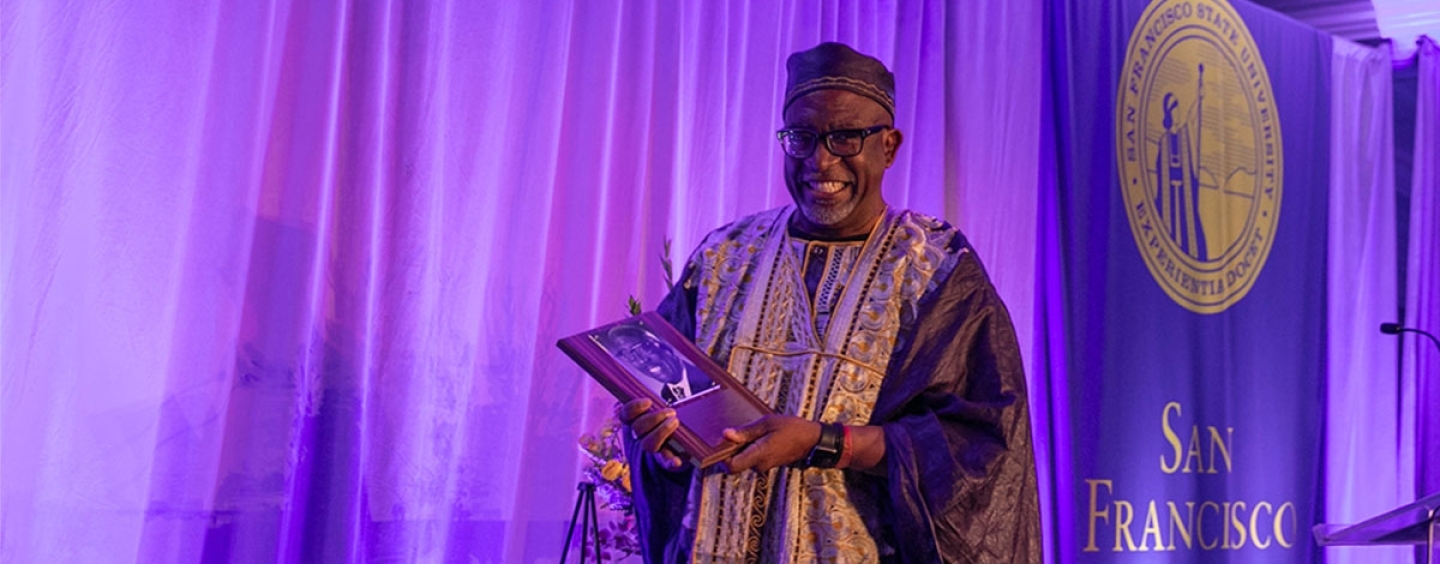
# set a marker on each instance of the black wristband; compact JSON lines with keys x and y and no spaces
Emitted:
{"x":827,"y":451}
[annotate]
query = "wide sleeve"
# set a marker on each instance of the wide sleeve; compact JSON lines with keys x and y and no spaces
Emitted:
{"x":961,"y":482}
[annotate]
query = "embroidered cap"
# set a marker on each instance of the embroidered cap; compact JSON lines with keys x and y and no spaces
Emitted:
{"x":836,"y":65}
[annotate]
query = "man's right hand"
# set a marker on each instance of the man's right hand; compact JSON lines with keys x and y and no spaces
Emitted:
{"x":651,"y":427}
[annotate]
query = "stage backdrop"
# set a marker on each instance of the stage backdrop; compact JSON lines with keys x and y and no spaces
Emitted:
{"x":1193,"y":142}
{"x":282,"y":280}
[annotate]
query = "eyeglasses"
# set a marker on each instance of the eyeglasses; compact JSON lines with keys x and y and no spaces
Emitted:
{"x":800,"y":144}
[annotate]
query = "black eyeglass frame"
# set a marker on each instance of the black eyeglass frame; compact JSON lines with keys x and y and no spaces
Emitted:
{"x":829,"y":139}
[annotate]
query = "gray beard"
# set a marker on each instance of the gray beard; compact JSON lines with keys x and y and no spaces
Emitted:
{"x":828,"y":216}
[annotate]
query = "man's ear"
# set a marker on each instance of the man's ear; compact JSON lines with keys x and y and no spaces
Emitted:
{"x":893,"y":139}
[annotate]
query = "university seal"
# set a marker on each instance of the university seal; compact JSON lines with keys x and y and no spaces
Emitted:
{"x":1198,"y":143}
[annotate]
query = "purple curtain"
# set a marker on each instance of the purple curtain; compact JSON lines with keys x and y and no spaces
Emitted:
{"x":1421,"y":360}
{"x":1367,"y":469}
{"x":282,"y":280}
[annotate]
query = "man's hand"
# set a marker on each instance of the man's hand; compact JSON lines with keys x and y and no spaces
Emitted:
{"x":772,"y":441}
{"x":651,"y":427}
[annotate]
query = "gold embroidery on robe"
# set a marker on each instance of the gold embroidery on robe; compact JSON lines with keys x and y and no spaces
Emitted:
{"x":753,"y":314}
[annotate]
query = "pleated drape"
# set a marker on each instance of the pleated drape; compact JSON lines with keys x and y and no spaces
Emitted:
{"x":282,"y":279}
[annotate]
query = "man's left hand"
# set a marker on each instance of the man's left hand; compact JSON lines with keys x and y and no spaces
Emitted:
{"x":772,"y":441}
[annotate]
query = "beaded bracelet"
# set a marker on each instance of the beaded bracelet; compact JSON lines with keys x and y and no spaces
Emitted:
{"x":846,"y":452}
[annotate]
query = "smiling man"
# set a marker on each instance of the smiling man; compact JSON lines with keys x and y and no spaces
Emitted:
{"x":902,"y":430}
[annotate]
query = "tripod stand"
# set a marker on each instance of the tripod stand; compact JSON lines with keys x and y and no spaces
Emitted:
{"x":590,"y":523}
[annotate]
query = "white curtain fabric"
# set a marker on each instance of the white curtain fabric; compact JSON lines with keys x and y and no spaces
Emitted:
{"x":1366,"y":468}
{"x":282,"y":280}
{"x":1421,"y":362}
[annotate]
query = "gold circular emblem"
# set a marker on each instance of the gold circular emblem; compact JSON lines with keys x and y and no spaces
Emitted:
{"x":1198,"y":141}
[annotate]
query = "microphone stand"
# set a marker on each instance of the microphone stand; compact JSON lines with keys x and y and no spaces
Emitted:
{"x":1433,"y":519}
{"x":1396,"y":329}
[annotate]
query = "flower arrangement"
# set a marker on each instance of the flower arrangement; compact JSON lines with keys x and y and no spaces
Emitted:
{"x":609,"y":470}
{"x":610,"y":473}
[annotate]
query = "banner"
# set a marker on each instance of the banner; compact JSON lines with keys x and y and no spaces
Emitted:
{"x":1191,"y":189}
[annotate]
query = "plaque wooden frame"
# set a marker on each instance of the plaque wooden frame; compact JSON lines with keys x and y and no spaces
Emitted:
{"x":703,"y":416}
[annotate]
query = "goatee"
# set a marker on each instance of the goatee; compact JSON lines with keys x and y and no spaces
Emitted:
{"x":827,"y":216}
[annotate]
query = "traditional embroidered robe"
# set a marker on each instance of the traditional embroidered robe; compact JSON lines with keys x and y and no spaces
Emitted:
{"x":915,"y":340}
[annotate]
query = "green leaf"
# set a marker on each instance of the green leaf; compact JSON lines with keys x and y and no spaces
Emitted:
{"x":668,"y":265}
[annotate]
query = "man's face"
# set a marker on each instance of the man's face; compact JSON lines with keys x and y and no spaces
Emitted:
{"x":839,"y":197}
{"x":652,"y":358}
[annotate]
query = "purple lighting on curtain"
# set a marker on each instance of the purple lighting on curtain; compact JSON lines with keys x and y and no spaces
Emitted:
{"x":1421,"y":363}
{"x":282,"y":280}
{"x":1366,"y":467}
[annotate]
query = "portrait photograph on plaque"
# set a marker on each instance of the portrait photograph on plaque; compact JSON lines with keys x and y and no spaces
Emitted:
{"x":644,"y":357}
{"x":655,"y":362}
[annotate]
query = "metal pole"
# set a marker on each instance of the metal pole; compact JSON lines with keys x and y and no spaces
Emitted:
{"x":579,"y":501}
{"x":1430,"y":536}
{"x":594,"y":521}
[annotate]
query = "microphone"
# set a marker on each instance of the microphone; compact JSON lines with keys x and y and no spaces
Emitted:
{"x":1396,"y":329}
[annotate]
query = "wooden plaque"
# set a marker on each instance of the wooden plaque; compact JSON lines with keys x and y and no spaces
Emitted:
{"x":644,"y":357}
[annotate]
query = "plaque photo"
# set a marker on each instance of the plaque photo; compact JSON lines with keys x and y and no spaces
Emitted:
{"x":644,"y":357}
